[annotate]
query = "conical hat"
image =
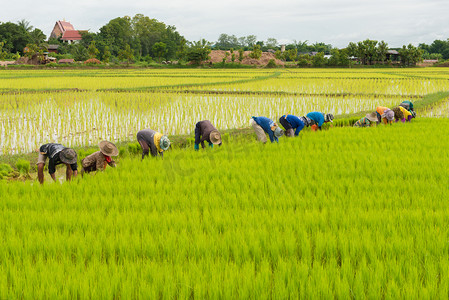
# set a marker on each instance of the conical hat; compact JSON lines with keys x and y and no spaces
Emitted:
{"x":108,"y":148}
{"x":372,"y":117}
{"x":215,"y":137}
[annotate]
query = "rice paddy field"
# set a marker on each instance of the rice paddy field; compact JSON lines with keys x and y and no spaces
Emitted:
{"x":82,"y":107}
{"x":344,"y":213}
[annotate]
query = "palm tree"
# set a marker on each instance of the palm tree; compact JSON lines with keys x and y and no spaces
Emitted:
{"x":25,"y":25}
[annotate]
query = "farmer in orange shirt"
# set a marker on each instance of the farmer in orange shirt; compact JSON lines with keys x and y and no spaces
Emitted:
{"x":383,"y":114}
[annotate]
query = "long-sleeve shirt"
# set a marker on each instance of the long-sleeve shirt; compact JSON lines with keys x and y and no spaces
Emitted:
{"x":52,"y":151}
{"x":363,"y":122}
{"x":147,"y":135}
{"x":380,"y":111}
{"x":202,"y":132}
{"x":405,"y":112}
{"x":407,"y":105}
{"x":97,"y":160}
{"x":295,"y":122}
{"x":266,"y":125}
{"x":317,"y":117}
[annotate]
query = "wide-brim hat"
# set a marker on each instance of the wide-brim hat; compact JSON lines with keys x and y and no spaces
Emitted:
{"x":68,"y":156}
{"x":108,"y":148}
{"x":389,"y":114}
{"x":372,"y":117}
{"x":164,"y":143}
{"x":278,"y":132}
{"x":215,"y":137}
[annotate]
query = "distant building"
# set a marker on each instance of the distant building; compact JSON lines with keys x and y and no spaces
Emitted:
{"x":393,"y":56}
{"x":66,"y":32}
{"x":53,"y":48}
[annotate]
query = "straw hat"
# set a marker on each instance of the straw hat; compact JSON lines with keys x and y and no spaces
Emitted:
{"x":215,"y":137}
{"x":108,"y":148}
{"x":164,"y":143}
{"x":372,"y":117}
{"x":68,"y":156}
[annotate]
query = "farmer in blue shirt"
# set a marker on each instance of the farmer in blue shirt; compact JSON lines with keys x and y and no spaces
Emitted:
{"x":264,"y":125}
{"x":291,"y":122}
{"x":318,"y":118}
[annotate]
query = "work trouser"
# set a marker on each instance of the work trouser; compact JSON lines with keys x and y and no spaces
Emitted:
{"x":145,"y":148}
{"x":288,"y":127}
{"x":261,"y":136}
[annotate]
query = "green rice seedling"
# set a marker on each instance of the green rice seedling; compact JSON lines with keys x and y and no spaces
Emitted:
{"x":237,"y":221}
{"x":23,"y":166}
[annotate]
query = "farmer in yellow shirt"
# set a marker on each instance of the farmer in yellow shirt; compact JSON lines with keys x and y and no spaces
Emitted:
{"x":408,"y":116}
{"x":152,"y":141}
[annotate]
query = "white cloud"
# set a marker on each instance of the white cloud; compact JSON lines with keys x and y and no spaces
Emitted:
{"x":397,"y":22}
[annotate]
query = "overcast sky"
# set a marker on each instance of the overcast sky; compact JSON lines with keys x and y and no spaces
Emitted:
{"x":337,"y":22}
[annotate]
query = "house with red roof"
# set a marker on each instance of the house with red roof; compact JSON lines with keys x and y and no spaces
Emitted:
{"x":66,"y":32}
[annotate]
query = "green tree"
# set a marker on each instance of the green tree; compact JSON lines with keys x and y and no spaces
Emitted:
{"x":15,"y":36}
{"x":198,"y":52}
{"x":279,"y":55}
{"x":106,"y":54}
{"x":159,"y":49}
{"x":79,"y":52}
{"x":304,"y":60}
{"x":147,"y":32}
{"x":126,"y":54}
{"x":382,"y":50}
{"x":241,"y":55}
{"x":271,"y":43}
{"x":117,"y":33}
{"x":291,"y":54}
{"x":3,"y":53}
{"x":343,"y":58}
{"x":32,"y":49}
{"x":410,"y":55}
{"x":256,"y":53}
{"x":38,"y":37}
{"x":318,"y":60}
{"x":225,"y":41}
{"x":302,"y":47}
{"x":25,"y":25}
{"x":92,"y":50}
{"x":232,"y":55}
{"x":182,"y":49}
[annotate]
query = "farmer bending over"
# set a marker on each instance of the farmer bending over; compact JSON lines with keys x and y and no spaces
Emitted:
{"x":205,"y":131}
{"x":153,"y":141}
{"x":408,"y":105}
{"x":262,"y":125}
{"x":291,"y":122}
{"x":100,"y":159}
{"x":57,"y":154}
{"x":383,"y":114}
{"x":318,"y":119}
{"x":367,"y":121}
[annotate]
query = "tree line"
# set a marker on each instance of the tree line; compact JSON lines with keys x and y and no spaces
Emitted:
{"x":140,"y":38}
